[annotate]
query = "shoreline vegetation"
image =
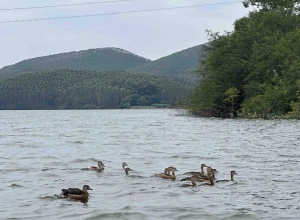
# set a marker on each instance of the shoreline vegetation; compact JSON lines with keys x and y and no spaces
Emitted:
{"x":73,"y":89}
{"x":253,"y":71}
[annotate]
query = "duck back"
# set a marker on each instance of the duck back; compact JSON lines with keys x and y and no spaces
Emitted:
{"x":74,"y":191}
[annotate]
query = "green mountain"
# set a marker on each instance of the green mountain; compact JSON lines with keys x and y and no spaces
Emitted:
{"x":177,"y":65}
{"x":102,"y":60}
{"x":173,"y":65}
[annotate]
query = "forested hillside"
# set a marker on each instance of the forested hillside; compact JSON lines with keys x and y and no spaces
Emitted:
{"x":179,"y":64}
{"x":102,"y":60}
{"x":253,"y":71}
{"x":70,"y":89}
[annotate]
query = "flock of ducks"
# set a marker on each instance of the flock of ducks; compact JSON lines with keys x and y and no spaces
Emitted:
{"x":207,"y":178}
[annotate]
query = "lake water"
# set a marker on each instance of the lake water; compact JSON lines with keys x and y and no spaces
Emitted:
{"x":43,"y":151}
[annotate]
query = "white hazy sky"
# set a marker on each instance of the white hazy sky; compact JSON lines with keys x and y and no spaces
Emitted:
{"x":149,"y":34}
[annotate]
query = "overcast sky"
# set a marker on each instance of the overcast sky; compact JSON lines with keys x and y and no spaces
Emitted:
{"x":149,"y":34}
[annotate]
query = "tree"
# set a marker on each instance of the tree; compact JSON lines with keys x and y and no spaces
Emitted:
{"x":260,"y":58}
{"x":231,"y":95}
{"x":295,"y":105}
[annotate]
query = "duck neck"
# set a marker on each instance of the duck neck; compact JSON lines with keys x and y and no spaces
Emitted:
{"x":173,"y":175}
{"x":167,"y":171}
{"x":211,"y":180}
{"x":231,"y":177}
{"x":202,"y":171}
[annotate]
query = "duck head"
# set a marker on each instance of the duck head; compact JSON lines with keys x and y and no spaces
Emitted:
{"x":172,"y":168}
{"x":203,"y":165}
{"x":232,"y":173}
{"x":100,"y":163}
{"x":167,"y":170}
{"x":127,"y":169}
{"x":86,"y":188}
{"x":124,"y":164}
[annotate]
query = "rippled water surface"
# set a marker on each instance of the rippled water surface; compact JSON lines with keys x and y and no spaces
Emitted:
{"x":44,"y":151}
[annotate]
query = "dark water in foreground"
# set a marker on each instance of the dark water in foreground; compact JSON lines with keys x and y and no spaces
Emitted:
{"x":43,"y":151}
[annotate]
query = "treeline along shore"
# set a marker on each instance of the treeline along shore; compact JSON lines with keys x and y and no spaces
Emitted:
{"x":78,"y":89}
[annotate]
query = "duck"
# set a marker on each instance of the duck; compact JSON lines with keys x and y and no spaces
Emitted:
{"x":210,"y":174}
{"x":210,"y":169}
{"x":168,"y":170}
{"x":211,"y":180}
{"x":192,"y":179}
{"x":195,"y":173}
{"x":168,"y":176}
{"x":76,"y":193}
{"x":124,"y":164}
{"x":127,"y":169}
{"x":232,"y":173}
{"x":99,"y":168}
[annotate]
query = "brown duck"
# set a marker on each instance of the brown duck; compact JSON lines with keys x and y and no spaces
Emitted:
{"x":210,"y":174}
{"x":76,"y":193}
{"x":192,"y":179}
{"x":211,"y":180}
{"x":168,"y":176}
{"x":99,"y":168}
{"x":195,"y":173}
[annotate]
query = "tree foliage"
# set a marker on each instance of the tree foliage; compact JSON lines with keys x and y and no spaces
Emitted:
{"x":295,"y":105}
{"x":260,"y":59}
{"x":273,"y":4}
{"x":71,"y":89}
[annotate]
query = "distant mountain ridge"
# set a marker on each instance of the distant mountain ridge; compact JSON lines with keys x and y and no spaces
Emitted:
{"x":101,"y":60}
{"x":174,"y":64}
{"x":109,"y":59}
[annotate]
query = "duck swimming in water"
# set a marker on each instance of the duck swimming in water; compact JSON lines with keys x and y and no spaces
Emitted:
{"x":127,"y":169}
{"x":211,"y":180}
{"x":192,"y":179}
{"x":195,"y":173}
{"x":210,"y":174}
{"x":168,"y":176}
{"x":76,"y":193}
{"x":232,"y":173}
{"x":99,"y":168}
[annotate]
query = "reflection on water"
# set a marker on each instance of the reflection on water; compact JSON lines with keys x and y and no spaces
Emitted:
{"x":44,"y":151}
